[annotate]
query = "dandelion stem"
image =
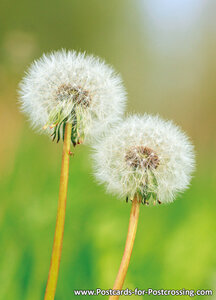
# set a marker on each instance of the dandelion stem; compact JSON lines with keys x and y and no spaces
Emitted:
{"x":132,"y":228}
{"x":60,"y":220}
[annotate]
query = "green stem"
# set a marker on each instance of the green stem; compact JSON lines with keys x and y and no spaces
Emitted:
{"x":59,"y":230}
{"x":134,"y":215}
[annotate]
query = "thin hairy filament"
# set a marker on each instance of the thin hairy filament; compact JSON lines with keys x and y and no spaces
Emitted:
{"x":132,"y":228}
{"x":60,"y":220}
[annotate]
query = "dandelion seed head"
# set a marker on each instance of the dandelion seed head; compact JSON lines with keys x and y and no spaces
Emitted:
{"x":66,"y":86}
{"x":145,"y":155}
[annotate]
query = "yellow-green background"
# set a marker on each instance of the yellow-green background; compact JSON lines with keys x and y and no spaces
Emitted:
{"x":166,"y":53}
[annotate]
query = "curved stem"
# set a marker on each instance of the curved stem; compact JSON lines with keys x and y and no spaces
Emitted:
{"x":132,"y":228}
{"x":60,"y":220}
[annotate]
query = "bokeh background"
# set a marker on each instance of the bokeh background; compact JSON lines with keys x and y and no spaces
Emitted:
{"x":165,"y":51}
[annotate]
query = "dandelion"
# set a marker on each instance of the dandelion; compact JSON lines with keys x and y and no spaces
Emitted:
{"x":76,"y":98}
{"x":146,"y":160}
{"x":69,"y":87}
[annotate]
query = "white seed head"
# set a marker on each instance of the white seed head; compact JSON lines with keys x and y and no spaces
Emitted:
{"x":145,"y":155}
{"x":66,"y":86}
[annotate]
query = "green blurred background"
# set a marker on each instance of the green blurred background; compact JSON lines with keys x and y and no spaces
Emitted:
{"x":165,"y":51}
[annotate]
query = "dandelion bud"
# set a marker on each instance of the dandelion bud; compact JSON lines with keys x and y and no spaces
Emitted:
{"x":145,"y":156}
{"x":70,"y":87}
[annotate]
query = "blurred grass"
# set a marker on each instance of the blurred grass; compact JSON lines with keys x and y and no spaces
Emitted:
{"x":175,"y":244}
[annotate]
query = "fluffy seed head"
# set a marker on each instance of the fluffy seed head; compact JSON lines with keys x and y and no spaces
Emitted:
{"x":147,"y":156}
{"x":66,"y":86}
